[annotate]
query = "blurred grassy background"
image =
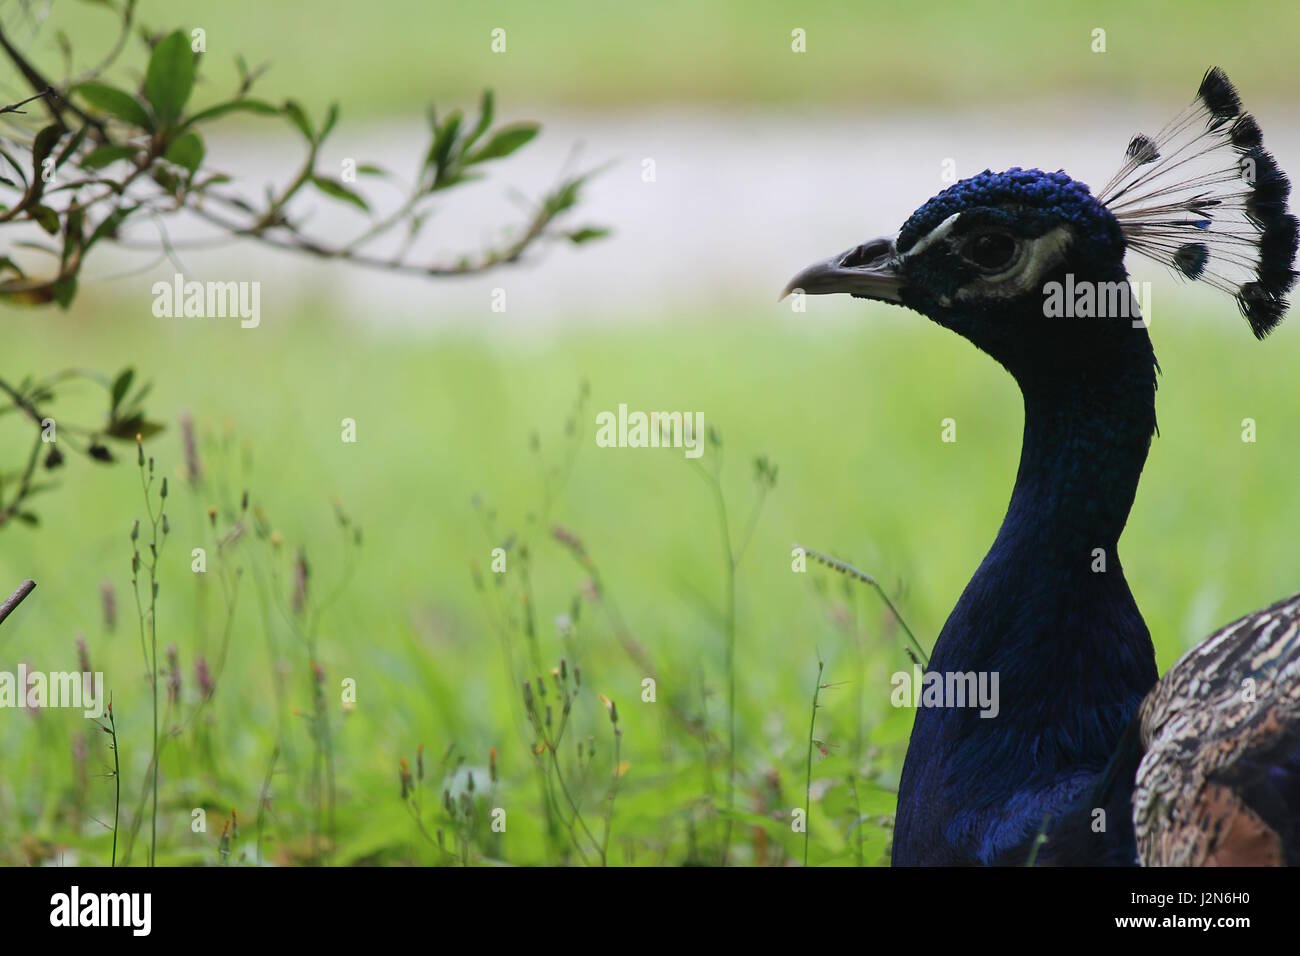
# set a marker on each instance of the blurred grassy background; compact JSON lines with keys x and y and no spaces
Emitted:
{"x":394,"y":57}
{"x":849,"y":412}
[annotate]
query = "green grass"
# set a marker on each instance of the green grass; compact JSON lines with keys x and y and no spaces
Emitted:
{"x":849,"y":411}
{"x":399,"y":55}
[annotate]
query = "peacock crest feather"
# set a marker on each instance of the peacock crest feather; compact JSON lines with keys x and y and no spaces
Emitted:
{"x":1203,"y":197}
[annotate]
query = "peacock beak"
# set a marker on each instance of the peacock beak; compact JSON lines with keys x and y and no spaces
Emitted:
{"x":868,"y":271}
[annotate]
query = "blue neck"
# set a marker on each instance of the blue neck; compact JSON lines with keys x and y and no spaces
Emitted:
{"x":1065,"y":637}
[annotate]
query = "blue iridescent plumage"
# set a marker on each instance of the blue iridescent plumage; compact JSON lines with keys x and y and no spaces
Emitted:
{"x":1068,"y":199}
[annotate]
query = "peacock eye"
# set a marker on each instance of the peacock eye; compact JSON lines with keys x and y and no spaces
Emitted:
{"x":990,"y":251}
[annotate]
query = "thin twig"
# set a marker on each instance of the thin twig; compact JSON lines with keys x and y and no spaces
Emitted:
{"x":15,"y":107}
{"x":15,"y":599}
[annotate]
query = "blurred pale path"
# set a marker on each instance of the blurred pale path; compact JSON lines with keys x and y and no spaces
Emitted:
{"x":738,"y":202}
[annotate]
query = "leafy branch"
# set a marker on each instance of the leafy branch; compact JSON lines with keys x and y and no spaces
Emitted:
{"x":31,"y":398}
{"x":111,"y":156}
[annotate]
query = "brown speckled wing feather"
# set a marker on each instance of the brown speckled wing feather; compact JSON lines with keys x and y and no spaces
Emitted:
{"x":1219,"y":782}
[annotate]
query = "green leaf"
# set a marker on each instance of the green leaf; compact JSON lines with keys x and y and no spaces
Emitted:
{"x":505,"y":141}
{"x":65,"y":289}
{"x":331,"y":117}
{"x":337,"y":190}
{"x":4,"y":154}
{"x":443,"y":140}
{"x":115,"y":102}
{"x":185,"y":150}
{"x":564,"y":198}
{"x":217,"y":179}
{"x":42,"y":146}
{"x":108,"y":226}
{"x":165,"y":178}
{"x":299,"y":119}
{"x":261,"y":107}
{"x":127,"y":428}
{"x":170,"y":78}
{"x":587,"y":234}
{"x":73,"y":226}
{"x":138,"y":398}
{"x":104,"y":155}
{"x":486,"y":109}
{"x":72,"y":146}
{"x":121,"y":385}
{"x":46,"y":217}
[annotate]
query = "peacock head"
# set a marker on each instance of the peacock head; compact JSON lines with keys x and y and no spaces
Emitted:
{"x":1029,"y":265}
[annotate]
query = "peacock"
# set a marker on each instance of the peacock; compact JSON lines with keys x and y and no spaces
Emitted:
{"x":1092,"y":758}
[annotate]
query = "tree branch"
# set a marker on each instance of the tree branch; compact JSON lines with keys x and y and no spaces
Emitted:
{"x":16,"y":599}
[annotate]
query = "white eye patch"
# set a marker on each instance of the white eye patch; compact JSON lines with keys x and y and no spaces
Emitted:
{"x":938,"y":234}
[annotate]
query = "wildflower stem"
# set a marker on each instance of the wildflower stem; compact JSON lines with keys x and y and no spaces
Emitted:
{"x":264,"y":800}
{"x":117,"y":780}
{"x":613,"y":795}
{"x":807,"y":783}
{"x":857,"y":814}
{"x":845,"y":568}
{"x":577,"y":814}
{"x":157,"y":522}
{"x":729,"y":623}
{"x":153,"y":819}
